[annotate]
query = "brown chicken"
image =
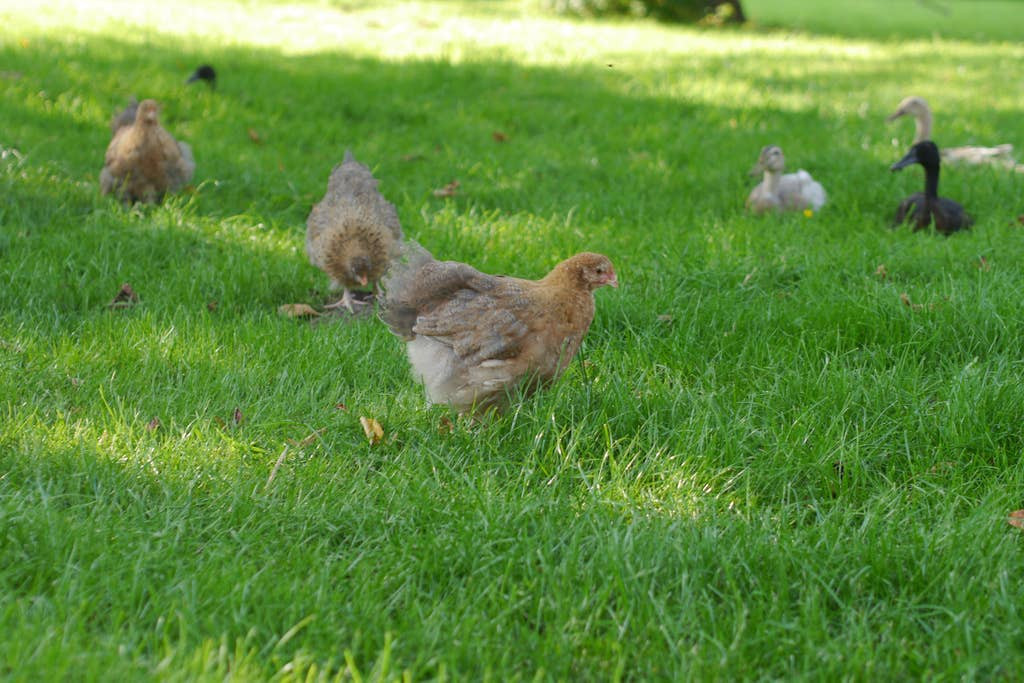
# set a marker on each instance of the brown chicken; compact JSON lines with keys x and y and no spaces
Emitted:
{"x":353,"y":232}
{"x":474,"y":338}
{"x":144,"y":161}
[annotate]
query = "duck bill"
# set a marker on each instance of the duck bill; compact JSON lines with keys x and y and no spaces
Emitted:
{"x":911,"y":158}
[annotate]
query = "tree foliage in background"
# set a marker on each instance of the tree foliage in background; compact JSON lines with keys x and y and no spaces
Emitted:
{"x":705,"y":11}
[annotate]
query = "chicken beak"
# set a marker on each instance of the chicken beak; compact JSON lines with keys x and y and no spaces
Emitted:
{"x":363,"y":280}
{"x":613,"y":281}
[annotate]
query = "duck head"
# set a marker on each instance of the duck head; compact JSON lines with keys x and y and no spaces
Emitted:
{"x":770,"y":160}
{"x":925,"y":153}
{"x":910,"y":106}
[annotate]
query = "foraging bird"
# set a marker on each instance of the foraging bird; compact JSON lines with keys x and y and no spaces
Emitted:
{"x":472,"y":338}
{"x":353,"y":232}
{"x":783,"y":192}
{"x":204,"y":72}
{"x":925,"y":207}
{"x":1000,"y":155}
{"x":143,"y":161}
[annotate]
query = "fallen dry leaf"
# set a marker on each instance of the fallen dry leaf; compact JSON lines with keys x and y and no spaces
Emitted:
{"x":881,"y":271}
{"x":499,"y":136}
{"x":237,"y":416}
{"x":374,"y":432}
{"x":905,"y":298}
{"x":153,"y":425}
{"x":125,"y":297}
{"x":445,"y":426}
{"x":211,"y":306}
{"x":1020,"y":219}
{"x":341,"y":406}
{"x":309,"y":439}
{"x":412,"y":157}
{"x":983,"y":264}
{"x":255,"y":136}
{"x":449,"y":190}
{"x":219,"y":421}
{"x":665,"y":318}
{"x":297,"y":310}
{"x":1016,"y":519}
{"x":747,"y":278}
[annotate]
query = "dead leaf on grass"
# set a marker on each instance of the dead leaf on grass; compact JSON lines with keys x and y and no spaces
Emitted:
{"x":499,"y":136}
{"x":374,"y":432}
{"x":881,"y":271}
{"x":449,"y":190}
{"x":905,"y":298}
{"x":125,"y":297}
{"x":749,"y":276}
{"x":212,"y":306}
{"x":445,"y":426}
{"x":412,"y":157}
{"x":341,"y":406}
{"x":153,"y":425}
{"x":297,"y":311}
{"x":665,"y":318}
{"x":237,"y":417}
{"x":983,"y":264}
{"x":1016,"y":519}
{"x":255,"y":136}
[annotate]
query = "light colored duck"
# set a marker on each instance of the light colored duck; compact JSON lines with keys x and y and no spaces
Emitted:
{"x":1000,"y":155}
{"x":783,"y":192}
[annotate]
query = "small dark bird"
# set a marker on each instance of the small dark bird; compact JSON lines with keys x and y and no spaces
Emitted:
{"x":926,"y":207}
{"x":206,"y":73}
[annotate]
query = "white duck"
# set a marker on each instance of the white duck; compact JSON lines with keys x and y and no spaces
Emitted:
{"x":1000,"y":155}
{"x":783,"y":192}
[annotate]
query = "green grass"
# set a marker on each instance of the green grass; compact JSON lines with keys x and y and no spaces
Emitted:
{"x":764,"y":464}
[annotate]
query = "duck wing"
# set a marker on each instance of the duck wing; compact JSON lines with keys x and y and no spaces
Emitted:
{"x":949,"y":216}
{"x":912,"y":207}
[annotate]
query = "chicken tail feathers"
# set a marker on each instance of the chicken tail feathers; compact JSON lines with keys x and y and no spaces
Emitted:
{"x":398,"y":309}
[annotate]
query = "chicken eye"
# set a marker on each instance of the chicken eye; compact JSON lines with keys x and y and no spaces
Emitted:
{"x":600,"y":270}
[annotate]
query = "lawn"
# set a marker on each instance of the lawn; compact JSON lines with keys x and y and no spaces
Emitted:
{"x":787,"y":449}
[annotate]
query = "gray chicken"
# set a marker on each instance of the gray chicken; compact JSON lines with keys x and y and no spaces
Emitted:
{"x":143,"y":161}
{"x":353,"y":232}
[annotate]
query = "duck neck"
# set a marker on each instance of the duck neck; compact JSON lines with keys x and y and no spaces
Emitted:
{"x":922,"y":126}
{"x":931,"y":182}
{"x":771,"y":181}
